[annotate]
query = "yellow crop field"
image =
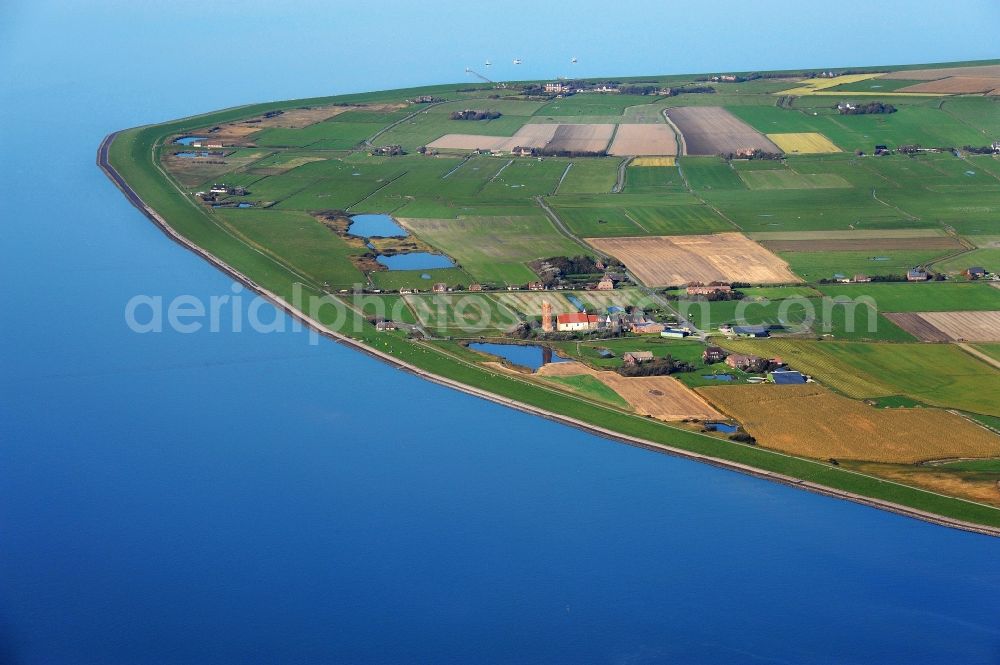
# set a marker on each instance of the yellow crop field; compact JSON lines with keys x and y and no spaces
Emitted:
{"x":654,"y":161}
{"x":812,"y":421}
{"x":812,"y":86}
{"x":804,"y":143}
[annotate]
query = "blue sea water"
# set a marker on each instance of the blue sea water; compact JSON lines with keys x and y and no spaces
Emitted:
{"x":253,"y":498}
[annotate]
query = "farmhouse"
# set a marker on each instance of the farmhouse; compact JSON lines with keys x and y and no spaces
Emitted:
{"x":522,"y":151}
{"x":385,"y":326}
{"x":859,"y":278}
{"x":975,"y":272}
{"x":713,"y":354}
{"x":440,"y":287}
{"x":916,"y":275}
{"x":637,"y":357}
{"x":577,"y":321}
{"x":702,"y":290}
{"x":475,"y":287}
{"x":536,"y":286}
{"x":605,"y":284}
{"x":747,"y":363}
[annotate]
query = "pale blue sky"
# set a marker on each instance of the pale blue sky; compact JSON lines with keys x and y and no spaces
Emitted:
{"x":296,"y":49}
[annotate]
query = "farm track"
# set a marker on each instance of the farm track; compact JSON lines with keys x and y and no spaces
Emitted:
{"x":986,"y":358}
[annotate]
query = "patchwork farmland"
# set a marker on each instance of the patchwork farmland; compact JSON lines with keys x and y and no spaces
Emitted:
{"x":674,"y":260}
{"x":618,"y":192}
{"x":661,"y":397}
{"x":812,"y":421}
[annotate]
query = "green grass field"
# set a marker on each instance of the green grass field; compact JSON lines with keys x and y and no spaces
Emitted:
{"x":921,"y":297}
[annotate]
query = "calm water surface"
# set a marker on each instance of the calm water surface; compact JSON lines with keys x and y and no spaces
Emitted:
{"x":526,"y":355}
{"x":241,"y":498}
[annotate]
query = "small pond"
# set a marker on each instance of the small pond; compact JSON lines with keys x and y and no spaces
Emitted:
{"x":718,"y":377}
{"x":416,"y":261}
{"x":721,"y":427}
{"x":576,"y":302}
{"x":188,"y":140}
{"x":191,"y":154}
{"x":382,"y":226}
{"x":526,"y":355}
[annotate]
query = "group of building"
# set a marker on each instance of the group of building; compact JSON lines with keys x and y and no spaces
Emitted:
{"x":776,"y":369}
{"x":615,"y":319}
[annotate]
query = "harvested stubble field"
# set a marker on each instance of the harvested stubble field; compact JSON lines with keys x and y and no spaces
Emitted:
{"x":711,"y":130}
{"x":952,"y":326}
{"x":580,"y":138}
{"x":647,"y":139}
{"x":803,"y":143}
{"x":675,"y":260}
{"x":814,"y":85}
{"x":810,"y":420}
{"x":956,"y":85}
{"x":571,"y":137}
{"x":661,"y":397}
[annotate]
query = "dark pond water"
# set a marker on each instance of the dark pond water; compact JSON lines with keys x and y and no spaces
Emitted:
{"x":525,"y":355}
{"x":188,"y":140}
{"x":416,"y":261}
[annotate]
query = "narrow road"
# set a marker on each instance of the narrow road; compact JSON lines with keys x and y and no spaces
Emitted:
{"x":558,"y":223}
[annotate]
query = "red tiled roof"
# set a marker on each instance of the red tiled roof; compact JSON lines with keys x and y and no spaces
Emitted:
{"x":577,"y":317}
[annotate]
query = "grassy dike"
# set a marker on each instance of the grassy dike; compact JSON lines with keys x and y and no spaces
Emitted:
{"x":132,"y":156}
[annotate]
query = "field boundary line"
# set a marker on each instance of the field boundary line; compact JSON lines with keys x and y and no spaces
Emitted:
{"x":561,"y":178}
{"x":978,"y":354}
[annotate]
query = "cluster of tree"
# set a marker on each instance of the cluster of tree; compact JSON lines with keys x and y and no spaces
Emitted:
{"x":690,"y":90}
{"x":640,"y":89}
{"x":866,"y":109}
{"x":474,"y":114}
{"x":979,"y":150}
{"x":743,"y":437}
{"x":572,"y":153}
{"x":574,"y":265}
{"x":656,"y":367}
{"x":756,"y":153}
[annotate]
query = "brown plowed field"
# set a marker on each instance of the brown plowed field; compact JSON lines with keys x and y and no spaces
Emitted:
{"x":812,"y":421}
{"x":676,"y":260}
{"x":862,"y":244}
{"x":711,"y":130}
{"x":633,"y":140}
{"x":914,"y":324}
{"x":661,"y":397}
{"x":992,"y":71}
{"x":955,"y":85}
